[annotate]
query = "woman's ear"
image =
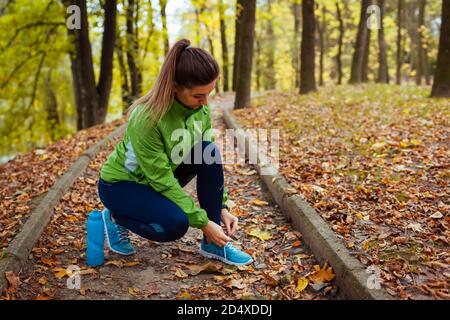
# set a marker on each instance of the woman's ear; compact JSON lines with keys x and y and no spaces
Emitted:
{"x":176,"y":87}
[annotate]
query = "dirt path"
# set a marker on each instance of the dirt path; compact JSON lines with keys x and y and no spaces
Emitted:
{"x":173,"y":270}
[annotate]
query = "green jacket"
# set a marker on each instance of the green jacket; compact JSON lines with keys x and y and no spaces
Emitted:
{"x":144,"y":155}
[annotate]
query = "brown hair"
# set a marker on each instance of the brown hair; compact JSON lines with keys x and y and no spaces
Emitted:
{"x":185,"y":65}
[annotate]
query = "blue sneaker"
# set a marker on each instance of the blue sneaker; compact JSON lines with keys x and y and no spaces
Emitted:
{"x":116,"y":236}
{"x":228,"y":253}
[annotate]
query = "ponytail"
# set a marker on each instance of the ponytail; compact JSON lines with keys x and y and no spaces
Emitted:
{"x":184,"y":65}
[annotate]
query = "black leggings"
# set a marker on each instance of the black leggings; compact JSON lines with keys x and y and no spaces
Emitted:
{"x":142,"y":210}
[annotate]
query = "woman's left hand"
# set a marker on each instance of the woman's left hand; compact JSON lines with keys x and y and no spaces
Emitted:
{"x":230,"y":222}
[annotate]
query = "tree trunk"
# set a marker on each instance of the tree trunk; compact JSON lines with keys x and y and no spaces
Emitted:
{"x":441,"y":84}
{"x":270,"y":81}
{"x":296,"y":47}
{"x":237,"y":41}
{"x":307,"y":55}
{"x":322,"y":30}
{"x":163,"y":4}
{"x":86,"y":98}
{"x":423,"y":67}
{"x":223,"y":38}
{"x":92,"y":101}
{"x":383,"y":70}
{"x":360,"y":45}
{"x":124,"y":84}
{"x":398,"y":73}
{"x":132,"y":50}
{"x":366,"y":56}
{"x":411,"y":26}
{"x":51,"y":105}
{"x":258,"y":63}
{"x":243,"y":83}
{"x":107,"y":60}
{"x":340,"y":41}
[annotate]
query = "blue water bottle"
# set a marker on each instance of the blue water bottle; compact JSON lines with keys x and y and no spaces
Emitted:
{"x":95,"y":239}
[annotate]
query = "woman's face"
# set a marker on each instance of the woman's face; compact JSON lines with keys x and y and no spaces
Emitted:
{"x":195,"y":97}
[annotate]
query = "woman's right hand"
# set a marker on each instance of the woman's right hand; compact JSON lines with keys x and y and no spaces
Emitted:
{"x":215,"y":233}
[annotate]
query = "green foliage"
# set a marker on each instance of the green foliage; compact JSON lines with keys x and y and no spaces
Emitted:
{"x":34,"y":51}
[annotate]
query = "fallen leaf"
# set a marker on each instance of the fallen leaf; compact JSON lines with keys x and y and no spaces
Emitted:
{"x":246,"y":172}
{"x":43,"y":280}
{"x":400,"y":240}
{"x":87,"y":271}
{"x":57,"y":251}
{"x":59,"y":272}
{"x":116,"y":263}
{"x":131,"y":264}
{"x":321,"y":275}
{"x":258,"y":202}
{"x":234,"y":283}
{"x":49,"y":262}
{"x":133,"y":291}
{"x":378,"y":145}
{"x":260,"y":234}
{"x":415,"y":227}
{"x":183,"y":295}
{"x":271,"y":280}
{"x":209,"y":267}
{"x":151,"y":289}
{"x":297,"y":244}
{"x":436,"y":215}
{"x":180,"y":273}
{"x":13,"y":281}
{"x":302,"y":283}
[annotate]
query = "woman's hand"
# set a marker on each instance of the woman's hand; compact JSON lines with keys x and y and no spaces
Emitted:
{"x":230,"y":222}
{"x":215,"y":233}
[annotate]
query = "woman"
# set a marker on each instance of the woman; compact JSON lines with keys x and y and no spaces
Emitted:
{"x":141,"y":182}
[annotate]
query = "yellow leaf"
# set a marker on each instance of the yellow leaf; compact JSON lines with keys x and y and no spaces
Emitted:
{"x":72,"y":218}
{"x":378,"y":145}
{"x":359,"y":215}
{"x":133,"y":291}
{"x":59,"y":272}
{"x":260,"y":234}
{"x":131,"y":264}
{"x":180,"y":273}
{"x":302,"y":283}
{"x":183,"y":295}
{"x":322,"y":275}
{"x":258,"y":202}
{"x":404,"y":144}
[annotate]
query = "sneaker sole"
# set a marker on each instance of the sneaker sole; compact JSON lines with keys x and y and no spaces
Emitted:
{"x":214,"y":256}
{"x":109,"y":244}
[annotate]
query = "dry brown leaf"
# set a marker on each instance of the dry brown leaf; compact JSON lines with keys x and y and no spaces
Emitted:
{"x":13,"y":281}
{"x":208,"y":267}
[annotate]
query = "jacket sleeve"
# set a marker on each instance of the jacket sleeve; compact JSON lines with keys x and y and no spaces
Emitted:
{"x":148,"y":147}
{"x":210,"y":137}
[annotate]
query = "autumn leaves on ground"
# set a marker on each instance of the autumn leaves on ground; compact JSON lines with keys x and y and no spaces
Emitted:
{"x":284,"y":268}
{"x":372,"y":160}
